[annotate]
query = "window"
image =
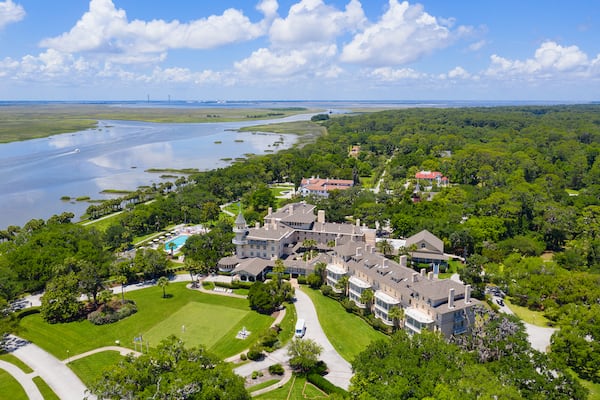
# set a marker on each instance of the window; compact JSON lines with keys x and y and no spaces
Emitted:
{"x":423,"y":245}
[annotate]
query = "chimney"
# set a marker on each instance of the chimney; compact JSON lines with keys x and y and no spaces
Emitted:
{"x":430,"y":275}
{"x":358,"y":222}
{"x":423,"y":272}
{"x":274,"y":225}
{"x":383,"y":262}
{"x":257,"y":224}
{"x":269,"y":210}
{"x":451,"y":298}
{"x":414,"y":276}
{"x":403,"y":261}
{"x":358,"y":249}
{"x":467,"y":294}
{"x":291,"y":209}
{"x":321,"y":216}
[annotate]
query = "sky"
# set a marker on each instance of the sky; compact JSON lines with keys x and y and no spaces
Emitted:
{"x":300,"y":50}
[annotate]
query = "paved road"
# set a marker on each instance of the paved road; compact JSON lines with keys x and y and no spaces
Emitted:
{"x":57,"y":375}
{"x":25,"y":380}
{"x":539,"y":337}
{"x":340,"y":370}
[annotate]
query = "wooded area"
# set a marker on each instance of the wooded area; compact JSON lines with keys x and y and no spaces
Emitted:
{"x":524,"y":182}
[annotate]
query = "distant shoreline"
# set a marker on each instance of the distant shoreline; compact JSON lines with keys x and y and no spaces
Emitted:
{"x":24,"y":122}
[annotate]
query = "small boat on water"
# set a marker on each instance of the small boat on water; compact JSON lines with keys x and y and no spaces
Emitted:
{"x":76,"y":151}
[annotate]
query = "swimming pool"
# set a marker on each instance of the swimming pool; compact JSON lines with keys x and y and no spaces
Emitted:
{"x":179,"y":241}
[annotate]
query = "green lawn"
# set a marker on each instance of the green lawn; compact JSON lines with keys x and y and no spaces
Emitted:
{"x":45,"y":390}
{"x":296,"y":389}
{"x":527,"y":315}
{"x":81,"y":336}
{"x":101,"y":224}
{"x":89,"y":369}
{"x":10,"y":389}
{"x":594,"y":389}
{"x":14,"y":360}
{"x":337,"y":324}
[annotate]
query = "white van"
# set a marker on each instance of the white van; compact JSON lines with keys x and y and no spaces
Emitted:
{"x":300,"y":328}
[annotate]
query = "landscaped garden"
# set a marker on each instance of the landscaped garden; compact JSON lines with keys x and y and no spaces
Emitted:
{"x":198,"y":318}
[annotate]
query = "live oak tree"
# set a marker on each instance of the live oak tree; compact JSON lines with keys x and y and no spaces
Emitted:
{"x":171,"y":371}
{"x":304,"y":354}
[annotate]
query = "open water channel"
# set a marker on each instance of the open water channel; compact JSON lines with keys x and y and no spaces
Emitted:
{"x":35,"y":174}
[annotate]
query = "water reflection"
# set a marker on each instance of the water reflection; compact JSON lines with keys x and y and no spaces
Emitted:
{"x":35,"y":174}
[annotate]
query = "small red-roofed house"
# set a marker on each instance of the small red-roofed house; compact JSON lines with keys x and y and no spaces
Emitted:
{"x":428,"y":178}
{"x":321,"y":187}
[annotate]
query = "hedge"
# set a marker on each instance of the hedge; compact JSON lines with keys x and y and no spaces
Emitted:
{"x":324,"y":384}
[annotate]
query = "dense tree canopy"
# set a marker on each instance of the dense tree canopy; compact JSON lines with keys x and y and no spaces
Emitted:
{"x":171,"y":371}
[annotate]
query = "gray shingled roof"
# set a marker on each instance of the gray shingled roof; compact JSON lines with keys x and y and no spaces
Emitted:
{"x":428,"y":237}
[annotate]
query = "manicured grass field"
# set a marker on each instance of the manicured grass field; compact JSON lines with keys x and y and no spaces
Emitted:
{"x":594,"y":389}
{"x":89,"y":369}
{"x":337,"y":324}
{"x":15,"y":361}
{"x":45,"y":390}
{"x":81,"y":336}
{"x":10,"y":389}
{"x":211,"y":323}
{"x":296,"y":389}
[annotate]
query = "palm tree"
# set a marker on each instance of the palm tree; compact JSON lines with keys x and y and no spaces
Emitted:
{"x":122,"y":279}
{"x":172,"y":246}
{"x":385,"y":247}
{"x":366,"y":297}
{"x":163,"y":282}
{"x":309,"y":244}
{"x":342,"y":284}
{"x":396,"y":314}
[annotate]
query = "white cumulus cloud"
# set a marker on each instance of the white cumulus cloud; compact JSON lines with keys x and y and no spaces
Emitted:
{"x":550,"y":59}
{"x":388,"y":74}
{"x":10,"y":12}
{"x":105,"y":29}
{"x":404,"y":34}
{"x":315,"y":21}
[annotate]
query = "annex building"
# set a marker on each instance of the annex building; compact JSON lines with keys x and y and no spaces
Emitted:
{"x":322,"y":186}
{"x":349,"y":251}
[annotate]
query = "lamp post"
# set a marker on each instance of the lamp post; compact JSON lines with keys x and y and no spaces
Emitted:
{"x":67,"y":356}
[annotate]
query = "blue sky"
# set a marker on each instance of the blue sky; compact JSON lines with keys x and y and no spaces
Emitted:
{"x":299,"y":49}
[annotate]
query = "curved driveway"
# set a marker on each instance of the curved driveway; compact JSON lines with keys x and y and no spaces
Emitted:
{"x":57,"y":375}
{"x":340,"y":370}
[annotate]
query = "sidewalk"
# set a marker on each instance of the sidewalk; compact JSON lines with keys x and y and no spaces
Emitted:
{"x":55,"y":373}
{"x":25,"y":380}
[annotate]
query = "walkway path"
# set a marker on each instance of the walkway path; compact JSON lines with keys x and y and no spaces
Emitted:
{"x":54,"y":372}
{"x":25,"y":380}
{"x":122,"y":351}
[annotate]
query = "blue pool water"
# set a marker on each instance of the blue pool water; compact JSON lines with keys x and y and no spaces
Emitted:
{"x":179,"y":241}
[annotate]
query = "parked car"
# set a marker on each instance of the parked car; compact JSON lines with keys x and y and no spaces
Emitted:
{"x":500,"y":302}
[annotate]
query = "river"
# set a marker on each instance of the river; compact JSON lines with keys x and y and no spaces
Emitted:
{"x":35,"y":174}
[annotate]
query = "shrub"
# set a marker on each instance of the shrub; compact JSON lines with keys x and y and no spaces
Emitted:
{"x":243,"y":357}
{"x":28,"y":311}
{"x":255,"y":352}
{"x":276,"y":369}
{"x":112,"y":312}
{"x":269,"y":340}
{"x":324,"y":384}
{"x":349,"y":305}
{"x":302,"y":280}
{"x":327,"y":290}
